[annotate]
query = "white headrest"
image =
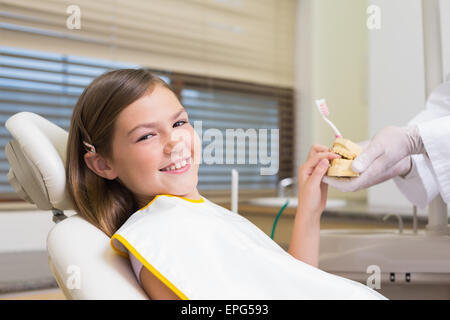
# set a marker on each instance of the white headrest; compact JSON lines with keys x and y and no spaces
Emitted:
{"x":37,"y":156}
{"x":86,"y":266}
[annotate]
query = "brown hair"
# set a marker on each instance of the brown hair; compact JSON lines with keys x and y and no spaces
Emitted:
{"x":107,"y":204}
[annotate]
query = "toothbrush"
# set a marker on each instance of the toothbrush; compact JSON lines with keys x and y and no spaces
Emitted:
{"x":323,"y":109}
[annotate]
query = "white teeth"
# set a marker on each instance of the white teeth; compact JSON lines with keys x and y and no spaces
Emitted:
{"x":177,"y":166}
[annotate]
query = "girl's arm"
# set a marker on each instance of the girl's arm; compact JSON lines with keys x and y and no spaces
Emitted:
{"x":312,"y":197}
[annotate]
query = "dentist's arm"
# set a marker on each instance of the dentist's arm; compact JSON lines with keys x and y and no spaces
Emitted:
{"x":420,"y":185}
{"x":312,"y":197}
{"x":399,"y":153}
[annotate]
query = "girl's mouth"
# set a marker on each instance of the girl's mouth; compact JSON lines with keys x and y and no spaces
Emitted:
{"x":178,"y":168}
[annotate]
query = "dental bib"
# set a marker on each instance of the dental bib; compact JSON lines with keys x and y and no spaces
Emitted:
{"x":201,"y":250}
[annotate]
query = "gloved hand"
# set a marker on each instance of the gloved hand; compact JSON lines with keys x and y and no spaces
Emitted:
{"x":386,"y":155}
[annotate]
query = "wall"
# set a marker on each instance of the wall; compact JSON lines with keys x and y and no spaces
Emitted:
{"x":445,"y":36}
{"x":331,"y":62}
{"x":396,"y":78}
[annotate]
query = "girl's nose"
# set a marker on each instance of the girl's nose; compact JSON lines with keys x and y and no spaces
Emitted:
{"x":174,"y":146}
{"x":177,"y":146}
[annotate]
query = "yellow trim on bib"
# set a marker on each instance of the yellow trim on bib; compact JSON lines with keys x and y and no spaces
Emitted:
{"x":146,"y":264}
{"x":111,"y":242}
{"x":172,"y":195}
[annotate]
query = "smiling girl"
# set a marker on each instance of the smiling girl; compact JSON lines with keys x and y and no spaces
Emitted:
{"x":132,"y":171}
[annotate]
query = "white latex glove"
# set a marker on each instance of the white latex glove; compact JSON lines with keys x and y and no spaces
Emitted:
{"x":386,"y":155}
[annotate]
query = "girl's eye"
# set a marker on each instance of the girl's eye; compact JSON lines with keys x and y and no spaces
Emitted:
{"x":180,"y":121}
{"x":142,"y":138}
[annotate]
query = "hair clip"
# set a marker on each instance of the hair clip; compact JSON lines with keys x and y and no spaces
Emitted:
{"x":90,"y":147}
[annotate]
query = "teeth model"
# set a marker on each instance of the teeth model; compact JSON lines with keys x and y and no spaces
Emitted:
{"x":348,"y":151}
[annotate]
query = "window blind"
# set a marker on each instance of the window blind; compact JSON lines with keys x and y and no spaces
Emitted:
{"x":49,"y":84}
{"x":224,"y":105}
{"x":45,"y":84}
{"x":244,"y":40}
{"x":232,"y":113}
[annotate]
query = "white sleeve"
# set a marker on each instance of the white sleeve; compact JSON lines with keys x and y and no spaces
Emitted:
{"x":420,"y":185}
{"x":431,"y":175}
{"x":436,"y":139}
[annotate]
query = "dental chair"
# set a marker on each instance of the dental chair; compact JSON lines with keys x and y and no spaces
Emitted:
{"x":79,"y":254}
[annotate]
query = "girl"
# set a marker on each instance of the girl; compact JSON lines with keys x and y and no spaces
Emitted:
{"x":128,"y":130}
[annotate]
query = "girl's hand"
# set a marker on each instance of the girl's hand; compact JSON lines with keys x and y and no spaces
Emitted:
{"x":312,"y":192}
{"x":312,"y":197}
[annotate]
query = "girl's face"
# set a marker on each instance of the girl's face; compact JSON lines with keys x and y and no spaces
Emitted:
{"x":150,"y":134}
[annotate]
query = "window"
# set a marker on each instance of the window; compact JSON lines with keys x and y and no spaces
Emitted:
{"x":49,"y":85}
{"x":42,"y":83}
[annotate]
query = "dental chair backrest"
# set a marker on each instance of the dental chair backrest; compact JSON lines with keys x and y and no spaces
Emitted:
{"x":79,"y":254}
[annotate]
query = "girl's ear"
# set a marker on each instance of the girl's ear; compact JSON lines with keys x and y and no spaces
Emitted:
{"x":99,"y":166}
